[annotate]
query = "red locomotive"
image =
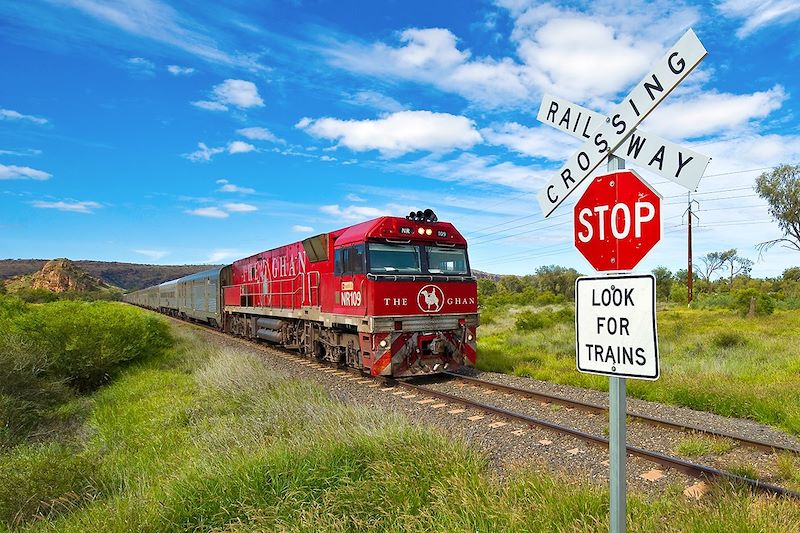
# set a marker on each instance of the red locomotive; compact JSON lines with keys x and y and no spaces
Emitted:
{"x":393,"y":296}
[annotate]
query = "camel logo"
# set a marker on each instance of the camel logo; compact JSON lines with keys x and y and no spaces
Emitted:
{"x":430,"y":299}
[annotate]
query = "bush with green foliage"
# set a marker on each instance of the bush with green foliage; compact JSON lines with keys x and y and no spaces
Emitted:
{"x":742,"y":298}
{"x":50,"y":352}
{"x":531,"y":321}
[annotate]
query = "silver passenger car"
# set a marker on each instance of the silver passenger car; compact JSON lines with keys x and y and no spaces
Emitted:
{"x":199,"y":296}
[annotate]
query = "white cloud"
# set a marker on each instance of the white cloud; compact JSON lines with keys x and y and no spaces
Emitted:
{"x":13,"y":172}
{"x":302,"y":229}
{"x":541,"y":141}
{"x":431,"y":55}
{"x":10,"y":114}
{"x":354,"y":198}
{"x":377,"y":101}
{"x":210,"y":212}
{"x":240,"y":147}
{"x":581,"y":56}
{"x":238,"y":93}
{"x":758,"y":14}
{"x":177,"y":70}
{"x":25,"y":153}
{"x":479,"y":170}
{"x":353,"y":212}
{"x":577,"y":56}
{"x":327,"y":158}
{"x":258,"y":134}
{"x":225,"y":255}
{"x":203,"y":153}
{"x":235,"y":207}
{"x":230,"y":187}
{"x":152,"y":254}
{"x":398,"y":133}
{"x":210,"y":106}
{"x":141,"y":66}
{"x":711,"y":112}
{"x":160,"y":22}
{"x":85,"y":207}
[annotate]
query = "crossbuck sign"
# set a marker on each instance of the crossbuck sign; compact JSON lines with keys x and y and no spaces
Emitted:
{"x":605,"y":135}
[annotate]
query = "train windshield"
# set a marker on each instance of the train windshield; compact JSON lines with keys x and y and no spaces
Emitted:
{"x":446,"y":260}
{"x":397,"y":258}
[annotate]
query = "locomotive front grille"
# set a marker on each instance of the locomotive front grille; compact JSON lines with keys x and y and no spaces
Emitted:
{"x":423,"y":322}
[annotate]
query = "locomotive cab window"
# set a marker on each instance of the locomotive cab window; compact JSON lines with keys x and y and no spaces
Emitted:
{"x":446,"y":260}
{"x":394,"y":258}
{"x":349,"y":260}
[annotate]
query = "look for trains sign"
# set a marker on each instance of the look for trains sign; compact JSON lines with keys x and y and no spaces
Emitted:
{"x":616,"y":326}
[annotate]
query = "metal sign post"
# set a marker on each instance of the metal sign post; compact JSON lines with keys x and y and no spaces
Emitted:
{"x":622,"y":340}
{"x":617,"y":435}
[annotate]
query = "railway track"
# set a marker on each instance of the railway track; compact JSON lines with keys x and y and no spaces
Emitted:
{"x":602,"y":409}
{"x":695,"y":470}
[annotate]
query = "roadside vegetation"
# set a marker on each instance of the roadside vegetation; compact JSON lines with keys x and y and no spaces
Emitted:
{"x":734,"y":352}
{"x":200,"y":437}
{"x":52,"y":355}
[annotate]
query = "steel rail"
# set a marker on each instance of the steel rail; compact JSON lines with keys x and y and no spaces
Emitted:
{"x":668,"y":461}
{"x":598,"y":408}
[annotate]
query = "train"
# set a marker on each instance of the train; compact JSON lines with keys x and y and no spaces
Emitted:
{"x":392,"y":296}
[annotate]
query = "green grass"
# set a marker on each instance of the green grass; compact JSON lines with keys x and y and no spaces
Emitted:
{"x":207,"y":439}
{"x":711,"y":360}
{"x":698,"y":445}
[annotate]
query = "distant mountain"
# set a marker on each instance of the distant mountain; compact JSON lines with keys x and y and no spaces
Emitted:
{"x":128,"y":276}
{"x":58,"y":275}
{"x":486,"y":275}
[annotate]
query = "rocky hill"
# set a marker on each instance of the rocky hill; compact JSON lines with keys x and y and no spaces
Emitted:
{"x":128,"y":276}
{"x":58,"y":275}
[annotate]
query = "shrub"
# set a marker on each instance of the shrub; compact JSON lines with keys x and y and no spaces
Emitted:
{"x":678,"y":294}
{"x":728,"y":339}
{"x":50,"y":352}
{"x":530,"y":321}
{"x":764,"y":304}
{"x":84,"y":342}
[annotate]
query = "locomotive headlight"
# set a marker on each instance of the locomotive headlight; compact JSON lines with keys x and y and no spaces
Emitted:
{"x":470,"y":337}
{"x":428,"y":231}
{"x":384,"y":344}
{"x":421,"y":231}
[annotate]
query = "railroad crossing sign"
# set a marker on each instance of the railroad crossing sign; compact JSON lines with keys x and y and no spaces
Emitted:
{"x":677,"y":163}
{"x":617,"y":221}
{"x":668,"y":72}
{"x":615,"y":326}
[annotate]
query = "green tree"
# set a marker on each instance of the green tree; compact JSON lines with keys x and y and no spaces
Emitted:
{"x":663,"y":282}
{"x":781,"y":189}
{"x":511,"y":284}
{"x":486,"y":287}
{"x":557,"y":279}
{"x":735,"y":264}
{"x":791,"y":274}
{"x":711,"y":263}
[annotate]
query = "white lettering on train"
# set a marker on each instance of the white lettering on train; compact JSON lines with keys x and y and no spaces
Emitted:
{"x":351,"y":298}
{"x":460,"y":301}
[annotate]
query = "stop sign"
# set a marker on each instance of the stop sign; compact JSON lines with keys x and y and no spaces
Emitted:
{"x":617,"y":221}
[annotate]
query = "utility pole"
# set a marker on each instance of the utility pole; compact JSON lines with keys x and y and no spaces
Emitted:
{"x":689,"y":241}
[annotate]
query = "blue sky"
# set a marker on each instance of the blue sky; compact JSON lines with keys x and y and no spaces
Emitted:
{"x":180,"y":132}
